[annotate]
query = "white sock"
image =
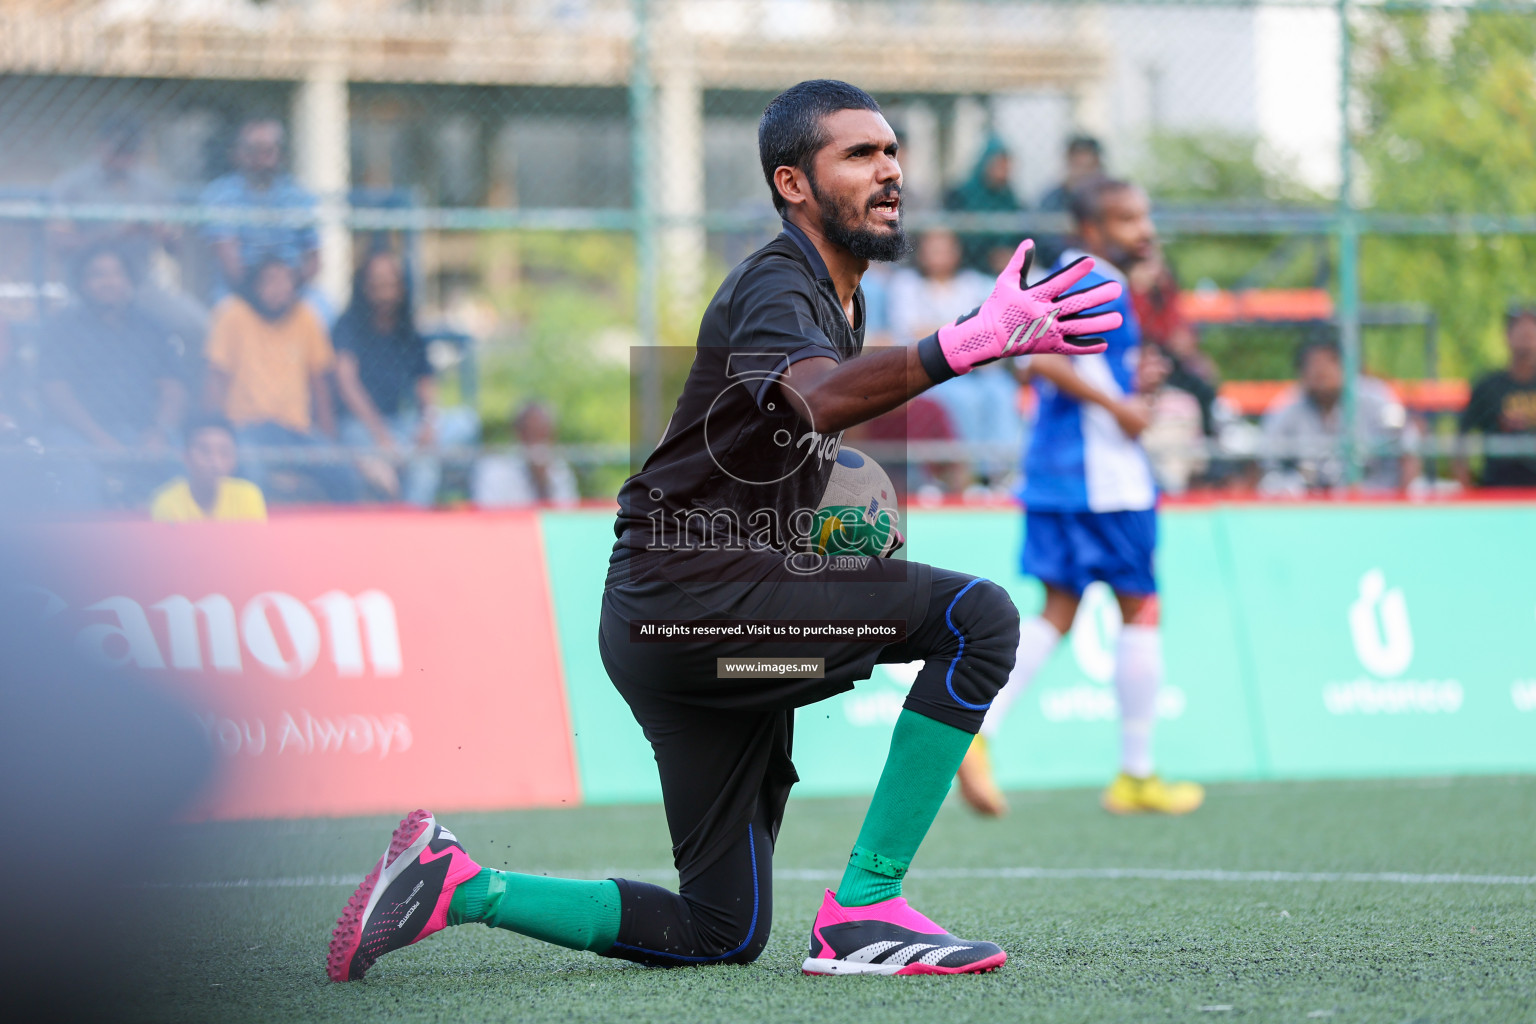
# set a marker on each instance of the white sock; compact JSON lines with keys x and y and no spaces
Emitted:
{"x":1037,"y":639}
{"x":1138,"y":675}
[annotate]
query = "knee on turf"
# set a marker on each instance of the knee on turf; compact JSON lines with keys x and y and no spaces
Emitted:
{"x":753,"y":949}
{"x":722,"y":942}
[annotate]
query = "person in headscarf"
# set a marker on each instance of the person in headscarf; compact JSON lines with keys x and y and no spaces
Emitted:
{"x":987,"y":190}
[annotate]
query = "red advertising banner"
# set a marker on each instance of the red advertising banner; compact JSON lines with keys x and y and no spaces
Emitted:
{"x":341,"y":664}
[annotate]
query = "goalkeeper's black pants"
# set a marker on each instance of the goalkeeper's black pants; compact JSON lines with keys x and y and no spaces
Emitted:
{"x":723,"y":745}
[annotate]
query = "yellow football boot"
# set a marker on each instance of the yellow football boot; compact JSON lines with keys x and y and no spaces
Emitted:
{"x":977,"y":785}
{"x":1151,"y":795}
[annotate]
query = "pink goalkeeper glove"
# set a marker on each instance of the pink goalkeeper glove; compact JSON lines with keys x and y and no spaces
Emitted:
{"x":1018,"y":321}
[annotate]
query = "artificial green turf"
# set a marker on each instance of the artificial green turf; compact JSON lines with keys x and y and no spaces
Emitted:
{"x":1080,"y":949}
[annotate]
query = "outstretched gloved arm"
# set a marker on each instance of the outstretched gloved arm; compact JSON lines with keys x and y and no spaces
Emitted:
{"x":1017,"y":321}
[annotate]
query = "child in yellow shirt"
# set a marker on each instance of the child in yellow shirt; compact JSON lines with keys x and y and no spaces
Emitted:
{"x":208,"y":491}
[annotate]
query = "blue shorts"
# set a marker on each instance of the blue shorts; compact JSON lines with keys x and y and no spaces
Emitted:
{"x":1070,"y":550}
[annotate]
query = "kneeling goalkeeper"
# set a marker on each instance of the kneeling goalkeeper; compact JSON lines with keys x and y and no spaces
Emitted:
{"x":712,"y":528}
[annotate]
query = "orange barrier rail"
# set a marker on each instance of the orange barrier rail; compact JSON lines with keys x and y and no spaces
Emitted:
{"x":1281,"y":305}
{"x":1254,"y":397}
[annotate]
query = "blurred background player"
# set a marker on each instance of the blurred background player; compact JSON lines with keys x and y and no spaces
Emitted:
{"x":1090,"y":503}
{"x":209,"y":490}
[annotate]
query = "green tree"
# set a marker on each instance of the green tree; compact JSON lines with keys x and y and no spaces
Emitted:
{"x":570,"y":317}
{"x":1210,"y":171}
{"x":1449,"y":127}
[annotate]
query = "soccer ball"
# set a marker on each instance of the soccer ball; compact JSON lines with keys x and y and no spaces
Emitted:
{"x":858,"y":513}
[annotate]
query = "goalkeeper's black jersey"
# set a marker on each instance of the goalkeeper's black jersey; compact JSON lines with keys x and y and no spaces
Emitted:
{"x":737,"y":468}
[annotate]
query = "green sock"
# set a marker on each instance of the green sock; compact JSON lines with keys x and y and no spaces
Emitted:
{"x":924,"y":757}
{"x":566,"y":911}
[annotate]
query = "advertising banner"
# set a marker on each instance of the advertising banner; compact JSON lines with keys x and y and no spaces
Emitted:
{"x":374,"y":662}
{"x":1390,"y":639}
{"x":614,"y":757}
{"x":340,"y":664}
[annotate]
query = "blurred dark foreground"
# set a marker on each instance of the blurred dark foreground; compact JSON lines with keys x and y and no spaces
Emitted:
{"x":94,"y":763}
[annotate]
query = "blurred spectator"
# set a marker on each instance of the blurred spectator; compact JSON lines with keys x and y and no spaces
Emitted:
{"x":1155,"y":296}
{"x":981,"y":406}
{"x":534,"y":476}
{"x":209,"y":490}
{"x":1085,"y":162}
{"x":111,"y":377}
{"x":387,"y":383}
{"x":1175,"y":431}
{"x":987,"y":190}
{"x":1503,"y":403}
{"x":258,"y":183}
{"x":1306,"y":423}
{"x":939,"y":288}
{"x":876,"y":286}
{"x":921,"y":419}
{"x":116,"y":175}
{"x":269,"y":363}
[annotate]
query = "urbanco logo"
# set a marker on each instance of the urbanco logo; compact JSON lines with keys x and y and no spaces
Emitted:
{"x":1383,"y":641}
{"x":1095,"y":632}
{"x":1378,"y":622}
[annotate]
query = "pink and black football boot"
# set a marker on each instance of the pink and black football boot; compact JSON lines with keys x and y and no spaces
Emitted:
{"x":404,"y":899}
{"x":890,"y":937}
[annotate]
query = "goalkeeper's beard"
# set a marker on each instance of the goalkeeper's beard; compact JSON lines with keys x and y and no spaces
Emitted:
{"x":836,"y":216}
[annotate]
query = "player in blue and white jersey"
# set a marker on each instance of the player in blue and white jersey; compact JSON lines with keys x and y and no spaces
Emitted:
{"x":1091,"y":513}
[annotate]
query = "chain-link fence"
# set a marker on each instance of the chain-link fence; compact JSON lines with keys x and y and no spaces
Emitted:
{"x":405,"y":246}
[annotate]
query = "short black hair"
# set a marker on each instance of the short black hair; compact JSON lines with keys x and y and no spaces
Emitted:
{"x":205,"y":421}
{"x":1517,"y":311}
{"x":1319,"y":341}
{"x":791,"y":131}
{"x":122,"y":132}
{"x":1087,"y":200}
{"x":255,"y":121}
{"x":90,"y":254}
{"x":263,"y":261}
{"x":1084,"y":144}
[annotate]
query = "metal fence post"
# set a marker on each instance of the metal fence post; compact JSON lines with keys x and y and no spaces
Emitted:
{"x":643,"y":137}
{"x":1348,"y":230}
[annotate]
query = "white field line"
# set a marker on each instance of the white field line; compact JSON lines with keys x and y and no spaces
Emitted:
{"x":978,"y":874}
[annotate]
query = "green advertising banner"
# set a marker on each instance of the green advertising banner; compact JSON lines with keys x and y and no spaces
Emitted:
{"x":1299,"y":641}
{"x":613,"y":759}
{"x":1390,"y":639}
